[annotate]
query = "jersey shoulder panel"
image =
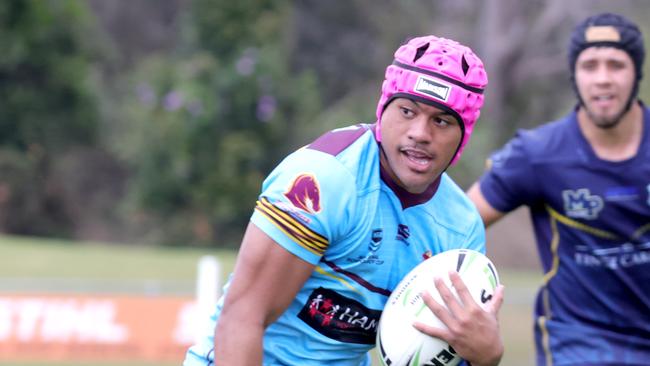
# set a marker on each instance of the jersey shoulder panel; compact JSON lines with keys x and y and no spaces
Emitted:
{"x":512,"y":175}
{"x":356,"y":150}
{"x":336,"y":141}
{"x":309,"y":200}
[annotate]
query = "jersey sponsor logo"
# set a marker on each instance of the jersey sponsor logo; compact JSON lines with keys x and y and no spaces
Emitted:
{"x":625,"y":255}
{"x":581,"y":204}
{"x":304,"y":193}
{"x":621,"y":193}
{"x":403,"y":233}
{"x":371,"y":257}
{"x":432,"y":88}
{"x":341,"y":318}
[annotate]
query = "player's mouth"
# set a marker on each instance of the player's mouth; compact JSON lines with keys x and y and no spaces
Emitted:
{"x":603,"y":100}
{"x":417,"y":159}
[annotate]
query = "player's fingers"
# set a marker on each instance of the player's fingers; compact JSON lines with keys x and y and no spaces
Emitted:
{"x":432,"y":331}
{"x":447,"y":296}
{"x":494,"y":305}
{"x":461,"y":289}
{"x":439,"y":310}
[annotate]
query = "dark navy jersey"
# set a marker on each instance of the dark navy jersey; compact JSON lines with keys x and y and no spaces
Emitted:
{"x":332,"y":205}
{"x":592,"y":225}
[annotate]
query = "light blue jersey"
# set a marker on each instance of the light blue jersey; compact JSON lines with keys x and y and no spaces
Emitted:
{"x":332,"y":205}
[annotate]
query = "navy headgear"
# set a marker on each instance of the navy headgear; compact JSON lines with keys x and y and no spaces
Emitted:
{"x":608,"y":30}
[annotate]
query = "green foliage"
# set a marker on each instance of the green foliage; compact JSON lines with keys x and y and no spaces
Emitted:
{"x":224,"y":27}
{"x":46,"y":107}
{"x":203,"y":130}
{"x":25,"y":207}
{"x":45,"y":98}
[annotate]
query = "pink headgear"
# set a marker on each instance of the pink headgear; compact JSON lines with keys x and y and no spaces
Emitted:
{"x":440,"y":72}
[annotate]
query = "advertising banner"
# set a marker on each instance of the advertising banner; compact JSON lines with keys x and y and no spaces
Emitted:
{"x":103,"y":328}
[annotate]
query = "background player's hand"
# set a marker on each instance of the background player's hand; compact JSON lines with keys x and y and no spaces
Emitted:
{"x":472,"y":331}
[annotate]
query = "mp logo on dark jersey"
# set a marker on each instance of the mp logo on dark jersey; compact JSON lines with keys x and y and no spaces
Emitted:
{"x":432,"y":88}
{"x":341,"y":318}
{"x":581,"y":204}
{"x":304,"y":193}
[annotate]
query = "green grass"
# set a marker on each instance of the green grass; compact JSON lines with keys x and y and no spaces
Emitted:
{"x":45,"y":259}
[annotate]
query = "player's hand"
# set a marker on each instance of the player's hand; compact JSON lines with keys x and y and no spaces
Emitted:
{"x":472,"y":331}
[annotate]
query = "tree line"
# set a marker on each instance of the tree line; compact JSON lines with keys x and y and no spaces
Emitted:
{"x":156,"y":121}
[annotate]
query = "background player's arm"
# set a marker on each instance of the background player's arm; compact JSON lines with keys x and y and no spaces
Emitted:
{"x":265,"y":281}
{"x":489,"y":214}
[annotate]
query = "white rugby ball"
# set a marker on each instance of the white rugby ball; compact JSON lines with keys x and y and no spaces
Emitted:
{"x":398,"y":342}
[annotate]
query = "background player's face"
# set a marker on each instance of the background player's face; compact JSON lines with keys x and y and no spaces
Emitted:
{"x":418,"y":141}
{"x":604,"y":77}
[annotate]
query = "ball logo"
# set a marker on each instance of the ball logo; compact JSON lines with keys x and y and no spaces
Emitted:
{"x":304,"y":193}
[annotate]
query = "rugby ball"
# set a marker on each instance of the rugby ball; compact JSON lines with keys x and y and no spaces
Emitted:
{"x":398,"y":342}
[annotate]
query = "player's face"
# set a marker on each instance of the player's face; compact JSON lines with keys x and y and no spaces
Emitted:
{"x":418,"y":141}
{"x":604,"y":77}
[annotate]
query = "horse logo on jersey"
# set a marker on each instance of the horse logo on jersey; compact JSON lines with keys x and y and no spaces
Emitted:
{"x":581,"y":204}
{"x":304,"y":193}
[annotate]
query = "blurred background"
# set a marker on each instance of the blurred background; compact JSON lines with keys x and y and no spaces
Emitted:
{"x":134,"y":136}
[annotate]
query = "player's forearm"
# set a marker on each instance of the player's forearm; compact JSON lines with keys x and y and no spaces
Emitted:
{"x":238,"y":343}
{"x":489,"y":214}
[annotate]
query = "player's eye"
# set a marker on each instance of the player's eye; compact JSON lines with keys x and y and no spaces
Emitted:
{"x":441,"y":121}
{"x":407,"y":112}
{"x":588,"y":66}
{"x":616,"y":65}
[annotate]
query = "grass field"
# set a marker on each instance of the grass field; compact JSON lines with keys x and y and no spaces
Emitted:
{"x":61,"y":266}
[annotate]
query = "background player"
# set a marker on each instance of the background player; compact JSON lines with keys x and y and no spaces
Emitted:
{"x":341,"y":221}
{"x":586,"y":179}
